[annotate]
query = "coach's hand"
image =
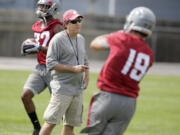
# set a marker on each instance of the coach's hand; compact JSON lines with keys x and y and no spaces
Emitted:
{"x":80,"y":68}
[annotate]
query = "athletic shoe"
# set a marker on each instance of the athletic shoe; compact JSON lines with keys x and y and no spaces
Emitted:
{"x":36,"y":132}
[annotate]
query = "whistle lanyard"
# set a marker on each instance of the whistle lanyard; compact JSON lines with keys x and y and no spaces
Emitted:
{"x":75,"y":47}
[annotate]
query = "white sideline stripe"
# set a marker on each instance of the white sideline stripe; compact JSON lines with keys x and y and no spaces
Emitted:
{"x":23,"y":63}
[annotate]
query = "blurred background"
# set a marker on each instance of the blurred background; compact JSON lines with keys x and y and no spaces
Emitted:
{"x":101,"y":16}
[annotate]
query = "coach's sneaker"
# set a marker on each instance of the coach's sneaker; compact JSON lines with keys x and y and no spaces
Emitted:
{"x":36,"y":132}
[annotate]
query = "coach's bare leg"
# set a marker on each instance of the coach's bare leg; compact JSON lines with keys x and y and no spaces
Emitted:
{"x":67,"y":130}
{"x":46,"y":129}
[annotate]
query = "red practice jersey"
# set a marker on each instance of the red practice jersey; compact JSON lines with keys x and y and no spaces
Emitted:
{"x":43,"y":36}
{"x":129,"y":59}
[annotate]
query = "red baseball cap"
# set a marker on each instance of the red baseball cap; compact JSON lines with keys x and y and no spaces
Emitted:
{"x":70,"y":15}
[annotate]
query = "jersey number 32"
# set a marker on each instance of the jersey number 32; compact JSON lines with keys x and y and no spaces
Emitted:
{"x":44,"y":36}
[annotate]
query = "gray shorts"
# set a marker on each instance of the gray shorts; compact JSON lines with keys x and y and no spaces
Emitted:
{"x":38,"y":80}
{"x":109,"y":114}
{"x":64,"y":107}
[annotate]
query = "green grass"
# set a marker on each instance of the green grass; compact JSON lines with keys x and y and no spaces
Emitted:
{"x":157,"y":113}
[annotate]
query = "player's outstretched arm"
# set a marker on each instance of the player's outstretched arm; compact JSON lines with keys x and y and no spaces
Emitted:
{"x":99,"y":43}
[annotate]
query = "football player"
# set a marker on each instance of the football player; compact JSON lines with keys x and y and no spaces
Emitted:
{"x":44,"y":29}
{"x":129,"y":59}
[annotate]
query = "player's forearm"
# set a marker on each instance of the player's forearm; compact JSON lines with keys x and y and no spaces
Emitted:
{"x":99,"y":43}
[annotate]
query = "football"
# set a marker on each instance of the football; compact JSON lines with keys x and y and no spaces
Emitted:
{"x":29,"y":46}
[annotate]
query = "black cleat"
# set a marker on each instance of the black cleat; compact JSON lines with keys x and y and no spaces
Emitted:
{"x":36,"y":132}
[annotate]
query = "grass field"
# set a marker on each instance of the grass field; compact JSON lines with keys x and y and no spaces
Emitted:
{"x":157,"y":113}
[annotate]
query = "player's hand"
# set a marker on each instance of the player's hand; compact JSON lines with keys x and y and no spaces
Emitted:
{"x":35,"y":48}
{"x":80,"y":68}
{"x":29,"y":46}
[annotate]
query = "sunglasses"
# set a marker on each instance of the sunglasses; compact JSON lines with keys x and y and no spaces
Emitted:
{"x":75,"y":21}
